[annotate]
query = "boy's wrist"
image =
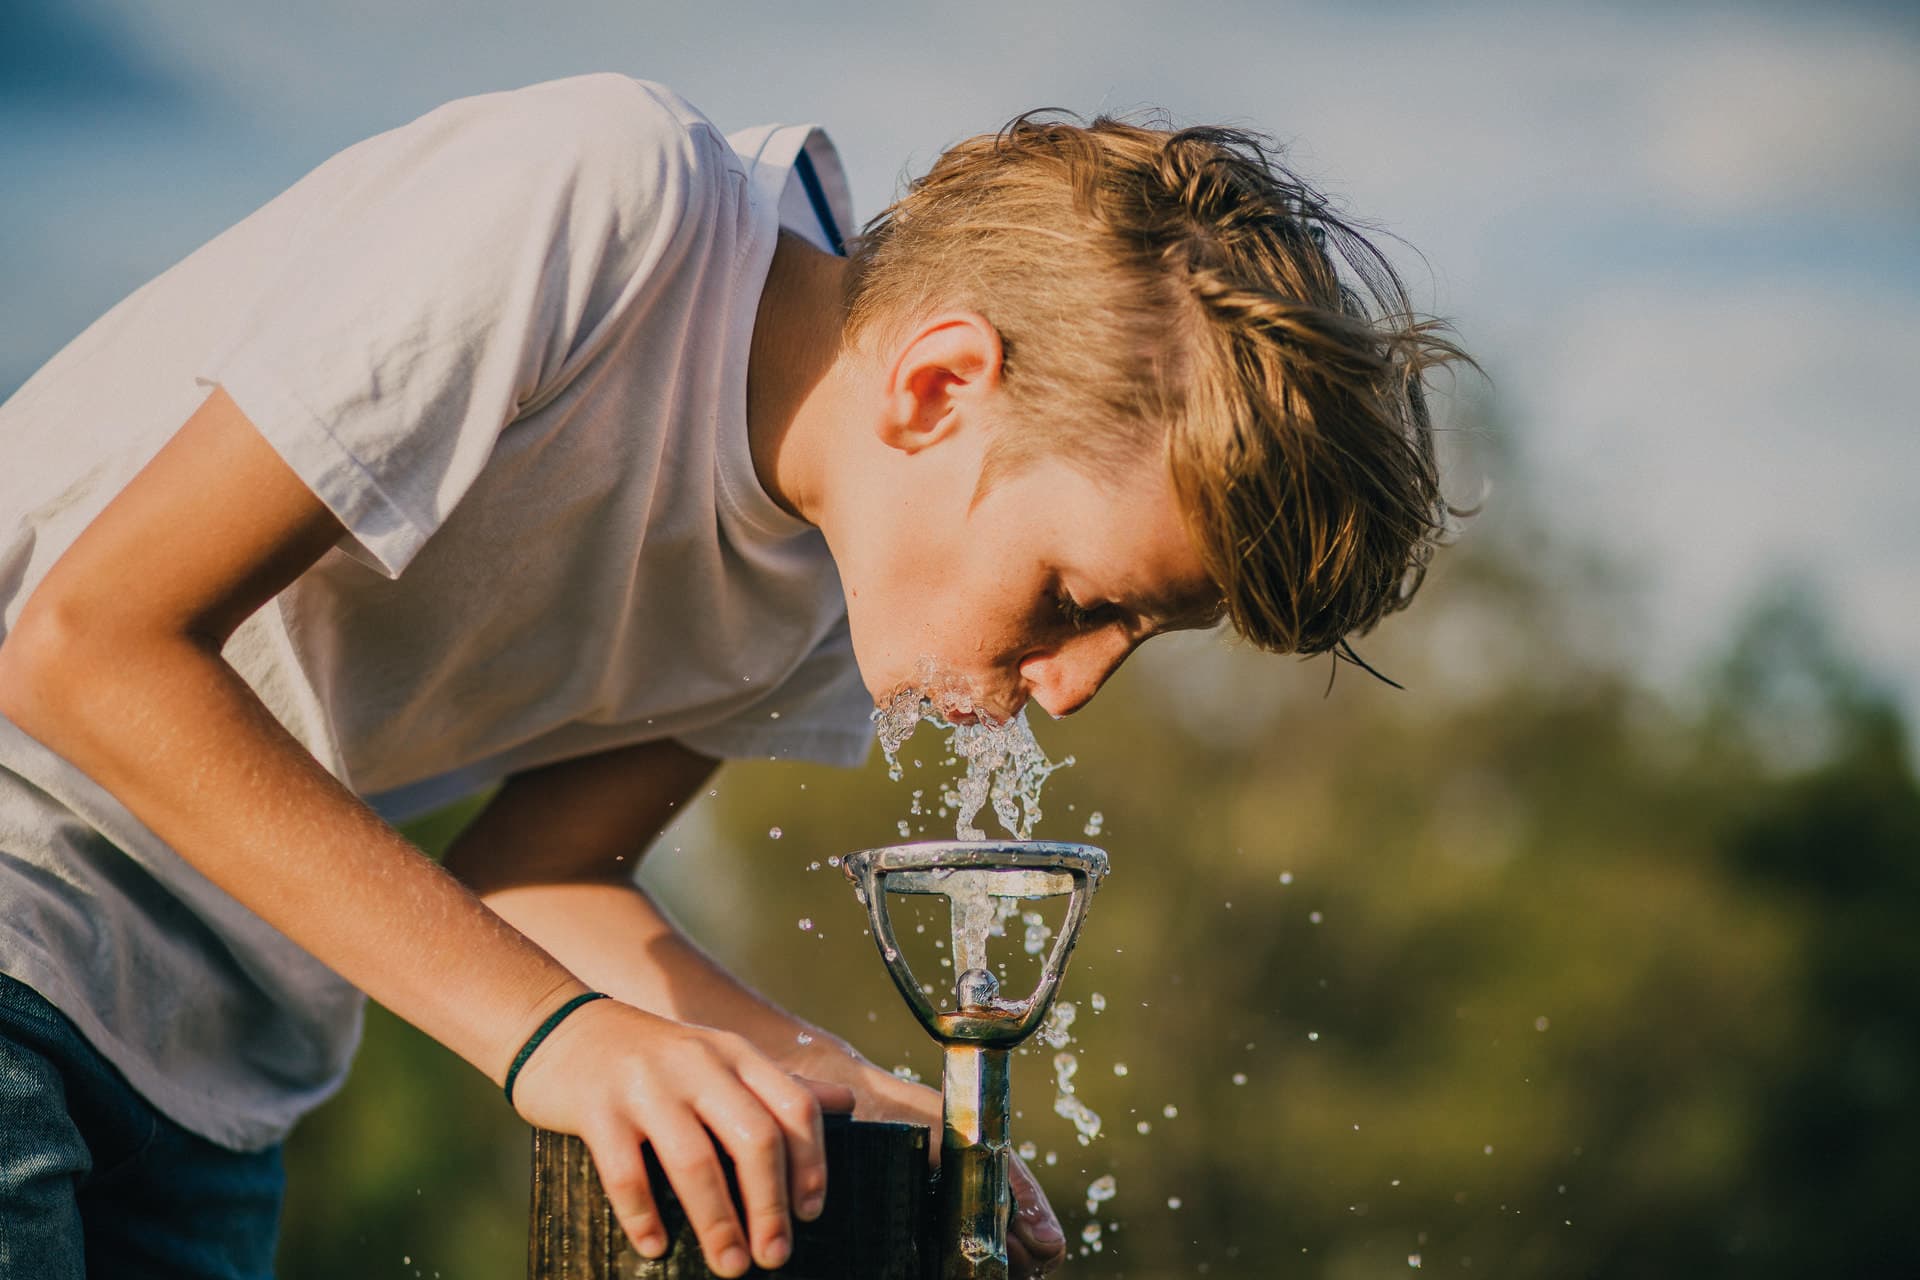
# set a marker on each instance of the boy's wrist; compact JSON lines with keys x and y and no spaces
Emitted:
{"x":532,"y":1021}
{"x":540,"y":1035}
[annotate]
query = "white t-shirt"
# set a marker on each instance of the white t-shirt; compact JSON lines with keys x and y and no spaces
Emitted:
{"x":507,"y":346}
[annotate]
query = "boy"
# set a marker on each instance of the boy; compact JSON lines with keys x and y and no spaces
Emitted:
{"x":551,"y":441}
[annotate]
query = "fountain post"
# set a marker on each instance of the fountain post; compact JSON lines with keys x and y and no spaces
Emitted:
{"x":979,"y":1033}
{"x":886,"y":1217}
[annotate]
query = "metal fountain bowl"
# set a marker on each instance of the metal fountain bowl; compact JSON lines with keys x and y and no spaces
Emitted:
{"x":958,"y":869}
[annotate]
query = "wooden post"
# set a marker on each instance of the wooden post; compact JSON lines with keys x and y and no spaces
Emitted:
{"x":877,"y":1225}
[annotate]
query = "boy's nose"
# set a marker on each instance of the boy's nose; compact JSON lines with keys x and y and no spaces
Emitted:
{"x":1065,"y":679}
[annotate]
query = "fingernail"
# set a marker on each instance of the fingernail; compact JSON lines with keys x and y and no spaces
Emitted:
{"x":652,"y":1244}
{"x":734,"y":1260}
{"x":811,"y":1206}
{"x":777,"y":1253}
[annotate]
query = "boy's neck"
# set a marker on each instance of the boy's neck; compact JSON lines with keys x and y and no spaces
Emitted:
{"x":791,"y":368}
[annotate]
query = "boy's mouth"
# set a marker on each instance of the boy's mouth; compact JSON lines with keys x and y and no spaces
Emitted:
{"x":944,"y":693}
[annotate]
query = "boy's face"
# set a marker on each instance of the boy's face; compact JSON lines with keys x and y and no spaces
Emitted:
{"x":1039,"y":590}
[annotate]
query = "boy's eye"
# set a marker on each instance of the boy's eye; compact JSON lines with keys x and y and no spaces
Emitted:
{"x":1076,"y":615}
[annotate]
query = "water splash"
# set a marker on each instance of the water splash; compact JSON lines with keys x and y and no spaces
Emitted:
{"x":1101,"y":1190}
{"x":1085,"y":1120}
{"x":1057,"y":1030}
{"x":1006,"y":767}
{"x":1037,"y":931}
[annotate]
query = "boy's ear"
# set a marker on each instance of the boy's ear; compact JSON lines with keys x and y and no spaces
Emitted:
{"x":942,"y":380}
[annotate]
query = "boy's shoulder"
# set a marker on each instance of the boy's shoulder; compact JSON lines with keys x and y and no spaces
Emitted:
{"x":604,"y":123}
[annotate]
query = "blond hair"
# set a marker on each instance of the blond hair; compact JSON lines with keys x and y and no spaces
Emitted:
{"x":1166,"y":288}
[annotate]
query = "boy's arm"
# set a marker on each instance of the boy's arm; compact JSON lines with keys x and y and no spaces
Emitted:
{"x":554,"y":854}
{"x":115,"y":663}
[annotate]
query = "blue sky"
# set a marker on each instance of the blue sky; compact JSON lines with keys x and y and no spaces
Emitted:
{"x":1687,"y":243}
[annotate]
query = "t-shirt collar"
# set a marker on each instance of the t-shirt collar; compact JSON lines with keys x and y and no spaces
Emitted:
{"x":795,"y":183}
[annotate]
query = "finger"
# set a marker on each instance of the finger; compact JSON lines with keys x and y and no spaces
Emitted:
{"x":1026,"y":1258}
{"x":692,"y":1165}
{"x":744,"y":1124}
{"x":1034,"y":1225}
{"x":1020,"y":1263}
{"x":796,"y":1104}
{"x":623,"y":1175}
{"x":837,"y":1098}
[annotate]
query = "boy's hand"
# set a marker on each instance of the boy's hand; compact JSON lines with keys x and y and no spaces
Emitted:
{"x":617,"y":1077}
{"x":1035,"y":1243}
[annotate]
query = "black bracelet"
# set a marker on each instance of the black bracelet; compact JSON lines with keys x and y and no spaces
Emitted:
{"x":554,"y":1019}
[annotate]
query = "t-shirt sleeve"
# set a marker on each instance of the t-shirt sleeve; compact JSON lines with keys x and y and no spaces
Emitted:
{"x":446,"y":274}
{"x":821,"y":713}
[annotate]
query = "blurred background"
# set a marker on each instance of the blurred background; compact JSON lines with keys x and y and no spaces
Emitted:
{"x":1596,"y":951}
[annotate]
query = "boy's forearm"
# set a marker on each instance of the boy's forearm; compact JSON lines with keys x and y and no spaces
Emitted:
{"x":618,"y":940}
{"x":171,"y":730}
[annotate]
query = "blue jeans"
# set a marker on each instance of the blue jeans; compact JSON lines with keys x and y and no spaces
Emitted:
{"x":95,"y":1183}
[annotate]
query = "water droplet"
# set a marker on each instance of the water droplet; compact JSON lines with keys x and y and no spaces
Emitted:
{"x":1028,"y":1151}
{"x":1143,"y":1127}
{"x":834,"y":861}
{"x":1315,"y":916}
{"x":773,"y":715}
{"x":1052,"y":1158}
{"x":1487,"y":1150}
{"x":1239,"y":1077}
{"x":774,"y":833}
{"x":1313,"y":1035}
{"x":907,"y":1073}
{"x":814,"y":865}
{"x":1170,"y":1111}
{"x":1541,"y":1023}
{"x":806,"y":923}
{"x":1098,"y":1001}
{"x":1120,"y":1068}
{"x":1095,"y":821}
{"x":1286,"y":877}
{"x":905,"y":828}
{"x":1057,"y":1030}
{"x":1091,"y":1233}
{"x":1413,"y":1260}
{"x":803,"y":1038}
{"x":1101,"y":1190}
{"x":1173,"y":1202}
